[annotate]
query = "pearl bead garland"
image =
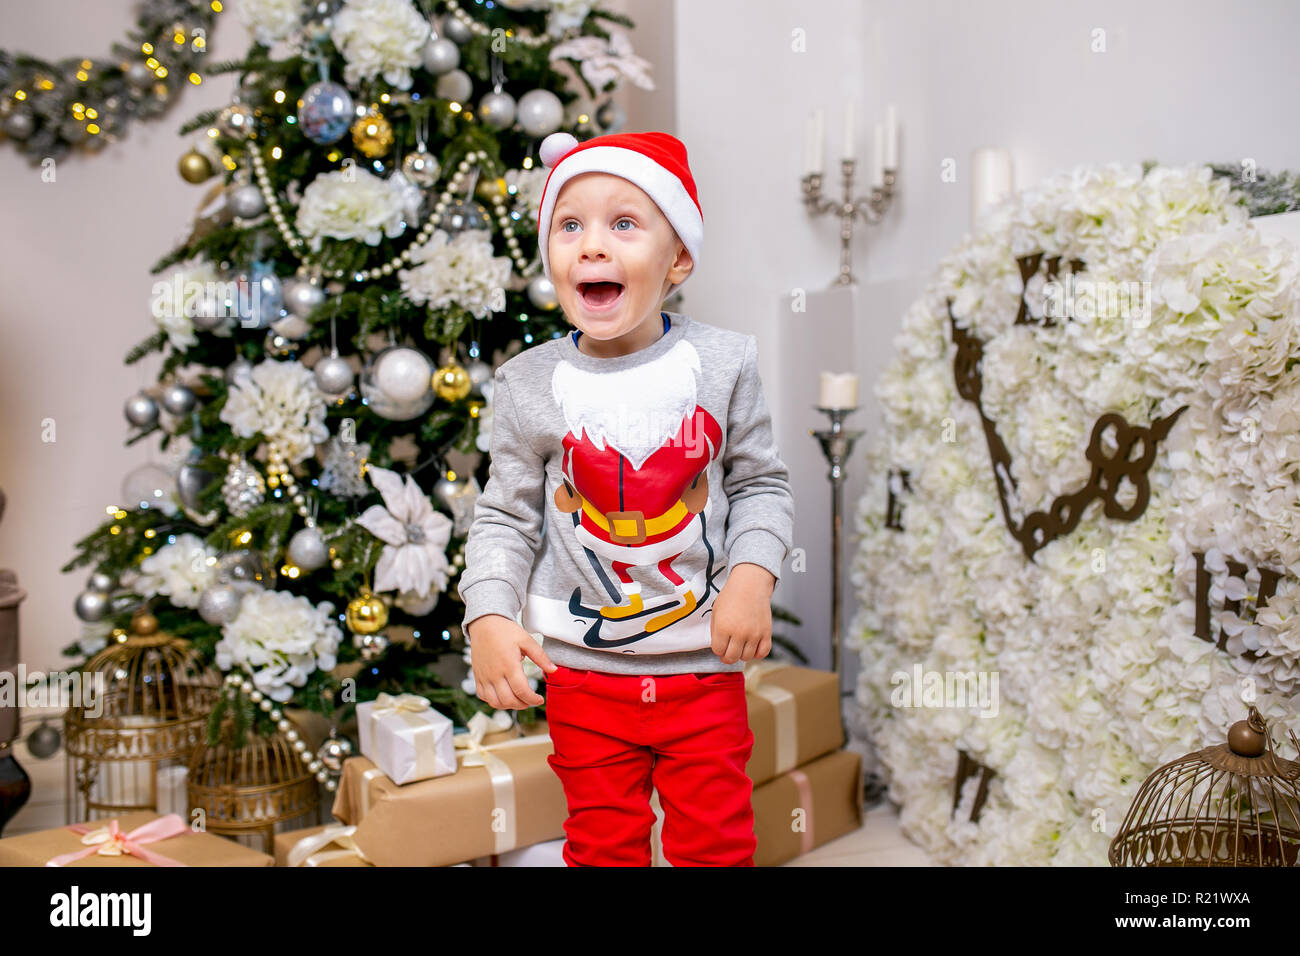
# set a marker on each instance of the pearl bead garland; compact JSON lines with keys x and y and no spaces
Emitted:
{"x":297,"y":244}
{"x":240,"y":684}
{"x":527,"y":39}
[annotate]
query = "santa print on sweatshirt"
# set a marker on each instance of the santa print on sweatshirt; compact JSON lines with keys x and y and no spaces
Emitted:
{"x":636,"y":489}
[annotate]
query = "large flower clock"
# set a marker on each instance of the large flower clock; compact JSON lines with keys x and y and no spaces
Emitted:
{"x":1080,"y":549}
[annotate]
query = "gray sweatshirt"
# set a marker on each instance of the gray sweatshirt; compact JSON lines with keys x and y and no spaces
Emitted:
{"x":621,"y":492}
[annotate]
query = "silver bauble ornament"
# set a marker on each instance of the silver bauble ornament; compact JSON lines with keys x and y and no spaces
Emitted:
{"x":178,"y":399}
{"x":480,"y":373}
{"x":446,"y":490}
{"x":99,"y":581}
{"x":141,"y":410}
{"x":219,"y":604}
{"x":462,"y":216}
{"x":455,"y":86}
{"x":497,"y":110}
{"x":307,"y":549}
{"x":236,"y":120}
{"x":541,"y":293}
{"x":259,"y":297}
{"x":209,"y":320}
{"x":302,"y":296}
{"x":149,"y":486}
{"x":325,"y":112}
{"x":611,"y":117}
{"x":190,"y":482}
{"x":91,"y":606}
{"x":456,"y":31}
{"x":421,"y":167}
{"x":246,"y":201}
{"x":19,"y":124}
{"x":409,"y":372}
{"x":44,"y":741}
{"x":540,"y":112}
{"x":334,"y":751}
{"x":440,"y":55}
{"x":333,"y":374}
{"x":371,"y":645}
{"x":244,"y":571}
{"x":243,"y":488}
{"x":237,"y":370}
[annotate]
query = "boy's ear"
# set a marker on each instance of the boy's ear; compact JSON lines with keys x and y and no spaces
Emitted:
{"x":682,"y":266}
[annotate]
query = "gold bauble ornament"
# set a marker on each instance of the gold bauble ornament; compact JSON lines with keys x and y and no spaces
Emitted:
{"x":489,"y":189}
{"x":195,"y":167}
{"x":367,"y":614}
{"x":451,"y":382}
{"x":372,"y":134}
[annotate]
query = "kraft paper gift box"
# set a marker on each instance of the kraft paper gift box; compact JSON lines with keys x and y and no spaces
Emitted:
{"x":143,"y":839}
{"x":404,"y":736}
{"x":794,"y":813}
{"x":504,"y":795}
{"x":794,"y":713}
{"x":549,"y":853}
{"x":327,"y":845}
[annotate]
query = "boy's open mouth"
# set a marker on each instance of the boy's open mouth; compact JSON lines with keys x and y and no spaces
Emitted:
{"x":599,"y":295}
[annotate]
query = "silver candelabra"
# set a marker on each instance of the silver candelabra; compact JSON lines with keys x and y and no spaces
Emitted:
{"x":871,"y":208}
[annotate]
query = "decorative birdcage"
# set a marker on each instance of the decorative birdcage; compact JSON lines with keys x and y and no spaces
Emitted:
{"x":141,"y":711}
{"x":251,"y":788}
{"x":1233,"y":804}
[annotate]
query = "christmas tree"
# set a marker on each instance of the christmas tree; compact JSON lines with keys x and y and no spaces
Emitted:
{"x":328,"y":333}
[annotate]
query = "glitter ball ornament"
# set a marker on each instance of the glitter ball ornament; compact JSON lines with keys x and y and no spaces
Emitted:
{"x":243,"y":489}
{"x":367,"y":614}
{"x":334,"y":751}
{"x":307,"y":549}
{"x":451,"y":382}
{"x":236,"y":120}
{"x":421,"y":167}
{"x":372,"y":134}
{"x":325,"y":112}
{"x":219,"y":604}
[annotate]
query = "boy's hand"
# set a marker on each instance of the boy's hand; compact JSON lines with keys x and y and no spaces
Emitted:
{"x":497,"y":648}
{"x":741,"y":622}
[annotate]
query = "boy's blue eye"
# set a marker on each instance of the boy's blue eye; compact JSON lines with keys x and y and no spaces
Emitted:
{"x":624,"y":219}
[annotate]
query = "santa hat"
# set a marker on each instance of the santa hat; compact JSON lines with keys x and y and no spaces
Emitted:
{"x":655,"y":162}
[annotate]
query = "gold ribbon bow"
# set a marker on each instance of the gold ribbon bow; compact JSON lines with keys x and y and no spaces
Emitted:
{"x":783,"y":703}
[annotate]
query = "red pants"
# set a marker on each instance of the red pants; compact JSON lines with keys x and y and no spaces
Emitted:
{"x":686,"y":735}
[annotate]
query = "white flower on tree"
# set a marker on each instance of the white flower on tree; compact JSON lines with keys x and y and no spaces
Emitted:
{"x":280,"y":401}
{"x":352,"y":204}
{"x":380,"y":38}
{"x":180,"y":572}
{"x":279,"y":639}
{"x":415,"y":535}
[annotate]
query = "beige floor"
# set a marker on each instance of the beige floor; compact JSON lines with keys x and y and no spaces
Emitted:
{"x":878,"y":842}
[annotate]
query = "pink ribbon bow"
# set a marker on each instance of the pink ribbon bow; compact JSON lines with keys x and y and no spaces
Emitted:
{"x":111,"y":841}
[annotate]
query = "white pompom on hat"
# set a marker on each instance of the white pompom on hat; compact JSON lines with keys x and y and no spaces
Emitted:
{"x":655,"y":162}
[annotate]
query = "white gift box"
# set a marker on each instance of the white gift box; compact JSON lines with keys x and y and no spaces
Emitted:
{"x":548,"y":853}
{"x":406,"y":738}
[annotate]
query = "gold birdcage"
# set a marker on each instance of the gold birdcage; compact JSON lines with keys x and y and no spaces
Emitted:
{"x":142,"y":709}
{"x":1233,"y":804}
{"x":252,"y":789}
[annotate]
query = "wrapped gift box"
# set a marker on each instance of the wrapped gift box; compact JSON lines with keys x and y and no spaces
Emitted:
{"x":406,"y":737}
{"x":827,"y":791}
{"x":511,"y":799}
{"x":794,"y":713}
{"x":313,"y":846}
{"x":187,"y":848}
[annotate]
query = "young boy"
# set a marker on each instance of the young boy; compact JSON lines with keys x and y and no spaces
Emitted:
{"x":637,"y":513}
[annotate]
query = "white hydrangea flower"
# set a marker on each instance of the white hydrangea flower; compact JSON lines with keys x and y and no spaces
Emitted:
{"x":380,"y":38}
{"x":460,"y":271}
{"x":352,"y":204}
{"x":270,"y":21}
{"x":279,"y":639}
{"x":180,"y":572}
{"x":279,"y":400}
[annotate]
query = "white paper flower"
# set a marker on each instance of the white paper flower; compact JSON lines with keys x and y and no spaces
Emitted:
{"x":415,"y":536}
{"x":461,"y":271}
{"x":526,"y":186}
{"x":280,"y":401}
{"x":270,"y":21}
{"x":605,"y":61}
{"x":380,"y":38}
{"x":180,"y":572}
{"x":279,"y":639}
{"x":352,"y":204}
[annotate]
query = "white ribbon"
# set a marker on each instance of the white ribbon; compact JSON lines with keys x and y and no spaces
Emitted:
{"x":396,"y":703}
{"x":408,"y":707}
{"x":478,"y":754}
{"x":783,"y":702}
{"x":304,"y":851}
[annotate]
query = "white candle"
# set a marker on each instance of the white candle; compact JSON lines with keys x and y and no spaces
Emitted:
{"x":819,"y":138}
{"x":991,"y":179}
{"x":849,"y":109}
{"x":878,"y":161}
{"x":891,"y":137}
{"x":838,"y":390}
